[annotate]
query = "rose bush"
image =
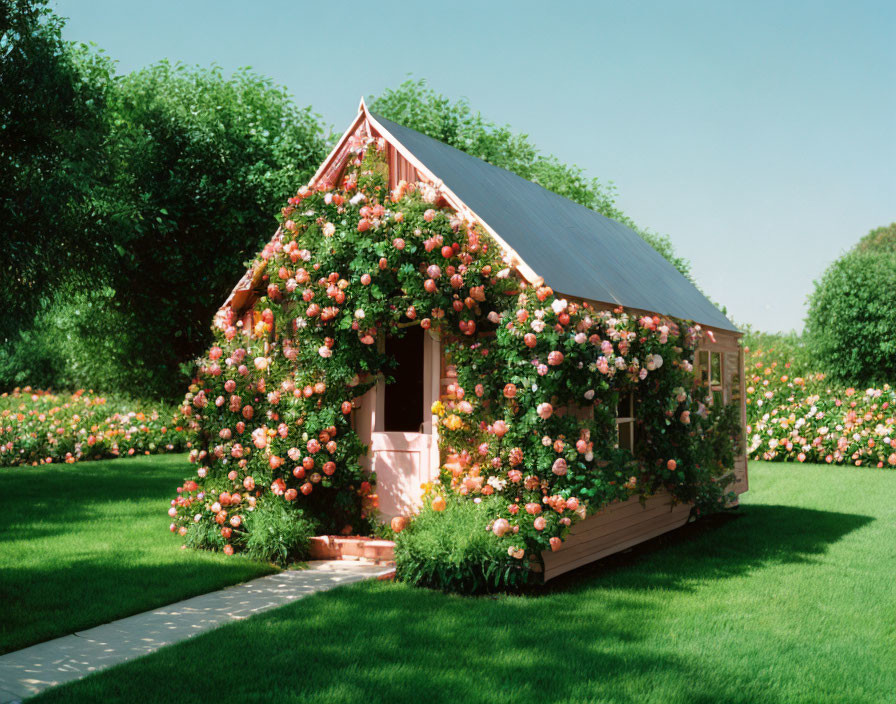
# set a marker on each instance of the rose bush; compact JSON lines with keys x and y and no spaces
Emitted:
{"x":528,"y":429}
{"x":40,"y":427}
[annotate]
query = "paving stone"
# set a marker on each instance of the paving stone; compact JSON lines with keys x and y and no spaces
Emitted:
{"x":26,"y":672}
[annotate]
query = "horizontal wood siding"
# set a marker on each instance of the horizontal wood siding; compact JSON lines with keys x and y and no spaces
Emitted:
{"x":617,"y":527}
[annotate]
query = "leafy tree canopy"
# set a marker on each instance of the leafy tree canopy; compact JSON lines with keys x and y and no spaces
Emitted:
{"x":193,"y":146}
{"x":107,"y":185}
{"x":55,"y":204}
{"x":880,"y":239}
{"x":851,"y":326}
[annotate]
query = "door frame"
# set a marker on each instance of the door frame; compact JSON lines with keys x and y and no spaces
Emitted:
{"x":370,"y":416}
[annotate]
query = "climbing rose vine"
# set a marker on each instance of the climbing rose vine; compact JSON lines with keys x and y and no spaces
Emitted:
{"x":527,"y":428}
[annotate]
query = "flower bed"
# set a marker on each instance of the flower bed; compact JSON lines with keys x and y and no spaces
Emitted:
{"x":41,"y":427}
{"x":805,"y":419}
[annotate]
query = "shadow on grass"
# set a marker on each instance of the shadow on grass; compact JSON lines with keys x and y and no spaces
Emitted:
{"x":84,"y":544}
{"x":719,"y":546}
{"x":46,"y":501}
{"x":595,"y":635}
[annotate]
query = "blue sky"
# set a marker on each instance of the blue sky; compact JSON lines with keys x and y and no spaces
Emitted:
{"x":760,"y":136}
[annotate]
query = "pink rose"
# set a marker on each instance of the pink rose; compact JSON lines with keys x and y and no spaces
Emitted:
{"x":500,"y":527}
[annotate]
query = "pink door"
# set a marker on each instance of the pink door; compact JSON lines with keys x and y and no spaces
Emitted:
{"x":401,"y":463}
{"x":402,"y":437}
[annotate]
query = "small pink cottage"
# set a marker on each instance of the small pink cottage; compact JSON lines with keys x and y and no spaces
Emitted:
{"x":594,"y":259}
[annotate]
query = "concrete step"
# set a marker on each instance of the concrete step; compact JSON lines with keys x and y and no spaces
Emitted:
{"x":353,"y":547}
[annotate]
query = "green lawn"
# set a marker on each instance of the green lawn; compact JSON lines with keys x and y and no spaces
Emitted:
{"x":88,"y":543}
{"x":791,"y":600}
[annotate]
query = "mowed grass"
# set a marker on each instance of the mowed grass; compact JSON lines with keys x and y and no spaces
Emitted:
{"x":84,"y":544}
{"x":793,"y":599}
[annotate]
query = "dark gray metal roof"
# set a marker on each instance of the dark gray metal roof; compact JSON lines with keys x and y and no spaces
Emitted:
{"x":578,"y":251}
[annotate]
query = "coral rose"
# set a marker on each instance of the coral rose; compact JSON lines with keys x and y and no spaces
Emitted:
{"x":500,"y":428}
{"x":500,"y":527}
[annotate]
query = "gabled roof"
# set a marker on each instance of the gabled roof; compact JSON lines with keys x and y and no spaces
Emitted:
{"x":577,"y":251}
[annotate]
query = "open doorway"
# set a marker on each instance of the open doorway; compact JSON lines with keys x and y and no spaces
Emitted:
{"x":404,"y":398}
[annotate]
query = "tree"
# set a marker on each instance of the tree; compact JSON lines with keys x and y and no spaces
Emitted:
{"x":851,"y":325}
{"x":203,"y":161}
{"x":129,"y":204}
{"x":55,"y":210}
{"x":414,"y":104}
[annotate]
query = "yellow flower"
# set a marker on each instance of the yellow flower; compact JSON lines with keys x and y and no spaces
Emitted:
{"x":453,"y":422}
{"x":438,"y":408}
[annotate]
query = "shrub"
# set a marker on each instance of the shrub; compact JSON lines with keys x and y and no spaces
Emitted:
{"x":787,"y":351}
{"x":278,"y":532}
{"x":850,"y":325}
{"x":454,"y":551}
{"x":80,"y":336}
{"x":270,"y":531}
{"x":880,"y":239}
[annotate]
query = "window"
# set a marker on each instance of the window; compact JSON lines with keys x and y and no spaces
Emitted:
{"x":709,"y":374}
{"x":625,"y":422}
{"x":733,"y":364}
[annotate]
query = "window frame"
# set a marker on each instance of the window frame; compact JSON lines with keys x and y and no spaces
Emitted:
{"x":704,"y":373}
{"x":628,"y":420}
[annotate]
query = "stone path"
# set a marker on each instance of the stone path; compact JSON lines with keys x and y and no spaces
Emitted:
{"x":26,"y":672}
